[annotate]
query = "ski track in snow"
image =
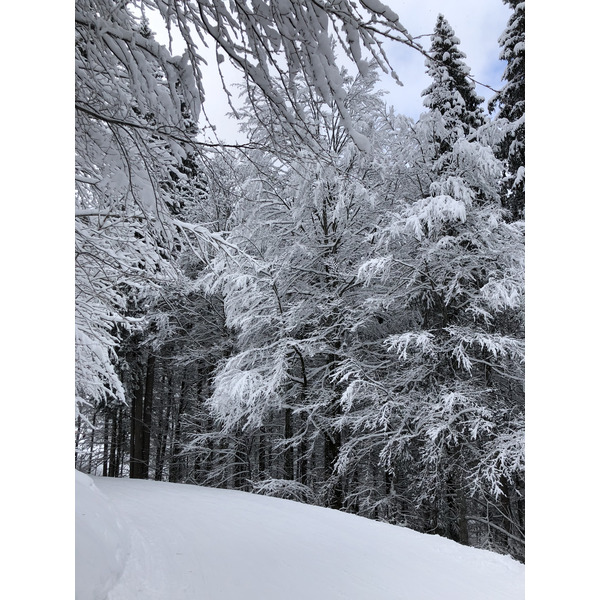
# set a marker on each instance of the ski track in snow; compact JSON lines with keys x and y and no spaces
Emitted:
{"x":150,"y":540}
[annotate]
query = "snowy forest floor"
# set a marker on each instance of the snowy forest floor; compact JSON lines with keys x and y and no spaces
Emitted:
{"x":151,"y":540}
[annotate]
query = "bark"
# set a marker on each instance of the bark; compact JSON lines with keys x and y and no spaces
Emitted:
{"x":176,"y":464}
{"x":112,"y":460}
{"x":262,"y":456}
{"x":302,"y":466}
{"x":137,"y":433}
{"x":121,"y":442}
{"x":106,"y":441}
{"x":77,"y":437}
{"x":163,"y":431}
{"x":331,"y":452}
{"x":92,"y":441}
{"x":288,"y":459}
{"x":457,"y":527}
{"x":147,"y":417}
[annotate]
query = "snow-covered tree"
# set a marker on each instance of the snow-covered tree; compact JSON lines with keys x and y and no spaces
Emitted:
{"x":511,"y":106}
{"x":290,"y":293}
{"x":447,"y":419}
{"x":452,"y":92}
{"x":167,"y":348}
{"x":134,"y":103}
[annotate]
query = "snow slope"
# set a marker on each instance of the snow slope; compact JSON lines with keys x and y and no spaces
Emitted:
{"x":149,"y":540}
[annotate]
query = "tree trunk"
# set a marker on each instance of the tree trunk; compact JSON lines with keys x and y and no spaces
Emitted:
{"x":176,"y":465}
{"x":77,"y":437}
{"x":262,"y":456}
{"x":92,"y":441}
{"x":302,"y":474}
{"x":457,"y":527}
{"x":112,"y":460}
{"x":147,"y":417}
{"x":106,"y":444}
{"x":331,"y":452}
{"x":137,"y":432}
{"x":121,"y":442}
{"x":288,"y":458}
{"x":163,"y":430}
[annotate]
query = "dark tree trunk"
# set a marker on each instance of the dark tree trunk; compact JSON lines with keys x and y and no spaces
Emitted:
{"x":262,"y":456}
{"x":208,"y":464}
{"x":302,"y":467}
{"x":457,"y":527}
{"x":201,"y":467}
{"x":112,"y":460}
{"x":333,"y":439}
{"x":512,"y":519}
{"x":137,"y":432}
{"x":176,"y":466}
{"x":106,"y":444}
{"x":239,"y":468}
{"x":288,"y":458}
{"x":163,"y":430}
{"x":331,"y":452}
{"x":147,"y":417}
{"x":77,"y":437}
{"x":121,"y":442}
{"x":92,"y":441}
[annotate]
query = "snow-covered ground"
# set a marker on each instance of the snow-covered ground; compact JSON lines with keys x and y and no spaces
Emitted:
{"x":148,"y":540}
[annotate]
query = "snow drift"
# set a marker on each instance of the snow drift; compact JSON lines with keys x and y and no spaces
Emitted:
{"x":151,"y":540}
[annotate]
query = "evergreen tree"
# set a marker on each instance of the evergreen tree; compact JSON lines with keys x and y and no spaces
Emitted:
{"x":511,"y":104}
{"x":447,"y":419}
{"x":452,"y":92}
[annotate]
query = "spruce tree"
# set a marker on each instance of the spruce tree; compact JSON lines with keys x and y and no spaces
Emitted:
{"x":452,"y":92}
{"x":511,"y":104}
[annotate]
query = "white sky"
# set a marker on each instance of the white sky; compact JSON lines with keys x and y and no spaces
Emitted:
{"x":477,"y":23}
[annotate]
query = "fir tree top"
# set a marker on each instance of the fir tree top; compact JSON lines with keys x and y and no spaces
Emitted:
{"x":452,"y":91}
{"x":510,"y":101}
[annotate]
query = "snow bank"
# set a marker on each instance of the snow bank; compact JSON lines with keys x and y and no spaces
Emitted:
{"x":191,"y":543}
{"x":101,"y":542}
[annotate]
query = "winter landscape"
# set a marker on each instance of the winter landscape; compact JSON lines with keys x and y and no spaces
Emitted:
{"x":300,"y":333}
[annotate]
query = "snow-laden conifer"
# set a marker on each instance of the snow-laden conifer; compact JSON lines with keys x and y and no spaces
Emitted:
{"x":510,"y":102}
{"x":452,"y":91}
{"x":451,"y":265}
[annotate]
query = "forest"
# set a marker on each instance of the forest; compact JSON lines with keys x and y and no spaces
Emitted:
{"x":331,"y":311}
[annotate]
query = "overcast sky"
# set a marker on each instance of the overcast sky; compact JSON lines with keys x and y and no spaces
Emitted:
{"x":477,"y":23}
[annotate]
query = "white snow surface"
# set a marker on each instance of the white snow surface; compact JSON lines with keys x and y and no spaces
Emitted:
{"x":153,"y":540}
